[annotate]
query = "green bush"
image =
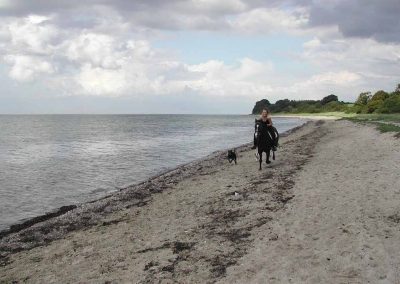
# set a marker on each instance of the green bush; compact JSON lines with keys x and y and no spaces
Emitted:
{"x":391,"y":104}
{"x":379,"y":96}
{"x":363,"y":98}
{"x":374,"y":105}
{"x":380,"y":102}
{"x":329,"y":99}
{"x":334,"y":106}
{"x":260,"y":105}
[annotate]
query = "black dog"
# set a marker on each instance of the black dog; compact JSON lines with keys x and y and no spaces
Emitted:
{"x":232,"y":156}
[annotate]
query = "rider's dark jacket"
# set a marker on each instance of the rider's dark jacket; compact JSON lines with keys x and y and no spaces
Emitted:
{"x":261,"y":125}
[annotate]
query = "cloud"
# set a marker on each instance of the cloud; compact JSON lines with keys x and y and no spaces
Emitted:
{"x":361,"y":55}
{"x":342,"y":78}
{"x":246,"y":78}
{"x":106,"y":48}
{"x":321,"y":83}
{"x":88,"y":62}
{"x":352,"y":65}
{"x":272,"y":20}
{"x":100,"y":81}
{"x":26,"y":68}
{"x":212,"y":78}
{"x":96,"y":49}
{"x":208,"y":15}
{"x":359,"y":18}
{"x":31,"y":34}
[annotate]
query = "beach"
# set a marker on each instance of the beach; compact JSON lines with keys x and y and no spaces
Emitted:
{"x":325,"y":211}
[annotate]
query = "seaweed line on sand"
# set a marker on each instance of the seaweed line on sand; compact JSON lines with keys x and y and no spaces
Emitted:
{"x":231,"y":225}
{"x":46,"y":228}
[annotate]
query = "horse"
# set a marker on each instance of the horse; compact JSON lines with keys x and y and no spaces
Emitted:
{"x":265,"y":142}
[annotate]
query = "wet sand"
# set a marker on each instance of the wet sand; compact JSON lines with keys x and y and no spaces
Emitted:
{"x":326,"y":211}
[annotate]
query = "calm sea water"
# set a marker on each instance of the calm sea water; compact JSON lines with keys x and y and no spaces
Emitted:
{"x":47,"y":161}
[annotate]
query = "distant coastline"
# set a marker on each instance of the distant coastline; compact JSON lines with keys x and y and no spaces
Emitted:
{"x":380,"y":102}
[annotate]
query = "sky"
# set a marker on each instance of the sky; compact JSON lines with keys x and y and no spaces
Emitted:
{"x":192,"y":56}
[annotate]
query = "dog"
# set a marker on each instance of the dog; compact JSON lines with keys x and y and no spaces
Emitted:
{"x":232,"y":156}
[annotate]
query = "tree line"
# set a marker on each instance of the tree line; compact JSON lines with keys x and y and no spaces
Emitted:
{"x":380,"y":102}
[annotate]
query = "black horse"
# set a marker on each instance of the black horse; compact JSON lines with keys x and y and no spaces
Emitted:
{"x":266,"y":138}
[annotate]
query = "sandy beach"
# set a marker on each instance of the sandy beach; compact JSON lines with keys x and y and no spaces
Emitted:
{"x":325,"y":211}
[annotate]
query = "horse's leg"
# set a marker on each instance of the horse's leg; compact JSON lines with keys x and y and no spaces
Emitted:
{"x":260,"y":159}
{"x":268,"y":154}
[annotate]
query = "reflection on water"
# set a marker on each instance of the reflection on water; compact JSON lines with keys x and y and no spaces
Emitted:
{"x":52,"y":160}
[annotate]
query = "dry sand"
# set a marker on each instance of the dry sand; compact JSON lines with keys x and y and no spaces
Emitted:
{"x":326,"y":211}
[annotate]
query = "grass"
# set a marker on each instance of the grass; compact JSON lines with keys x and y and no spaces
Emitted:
{"x":333,"y":114}
{"x":393,"y":117}
{"x":383,"y":122}
{"x":385,"y":127}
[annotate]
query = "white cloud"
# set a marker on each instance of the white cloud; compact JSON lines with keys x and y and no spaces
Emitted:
{"x":96,"y":49}
{"x":37,"y":19}
{"x":31,"y":35}
{"x":100,"y":81}
{"x":245,"y":79}
{"x":269,"y":20}
{"x":93,"y":62}
{"x":342,"y":78}
{"x":361,"y":56}
{"x":107,"y":51}
{"x":162,"y":76}
{"x":323,"y":83}
{"x":26,"y":68}
{"x":312,"y":44}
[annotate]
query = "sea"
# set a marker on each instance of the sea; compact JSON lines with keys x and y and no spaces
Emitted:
{"x":48,"y":161}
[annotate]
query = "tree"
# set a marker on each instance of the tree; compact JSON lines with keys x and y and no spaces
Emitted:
{"x":397,"y":90}
{"x":363,"y":98}
{"x":328,"y":99}
{"x":334,"y":106}
{"x":374,"y":105}
{"x":391,"y":104}
{"x":260,"y":105}
{"x":376,"y":101}
{"x":282,"y":105}
{"x":379,"y":96}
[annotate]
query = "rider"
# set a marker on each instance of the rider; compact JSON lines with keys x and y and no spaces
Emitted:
{"x":265,"y":118}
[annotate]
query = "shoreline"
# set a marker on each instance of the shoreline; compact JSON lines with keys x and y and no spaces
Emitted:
{"x":212,"y":221}
{"x":15,"y":228}
{"x":24,"y":224}
{"x":16,"y":225}
{"x":106,"y":212}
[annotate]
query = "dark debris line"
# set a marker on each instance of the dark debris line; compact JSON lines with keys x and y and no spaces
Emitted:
{"x":44,"y":229}
{"x":223,"y":225}
{"x":227,"y":228}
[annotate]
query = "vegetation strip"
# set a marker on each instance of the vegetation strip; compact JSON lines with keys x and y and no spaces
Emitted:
{"x":379,"y":103}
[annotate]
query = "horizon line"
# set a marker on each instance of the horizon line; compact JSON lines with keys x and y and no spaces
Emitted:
{"x":125,"y":114}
